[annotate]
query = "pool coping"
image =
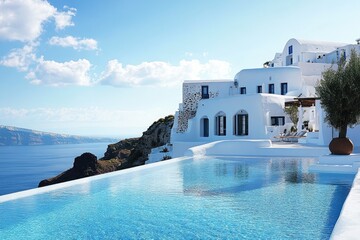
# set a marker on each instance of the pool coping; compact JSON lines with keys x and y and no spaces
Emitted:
{"x":348,"y":224}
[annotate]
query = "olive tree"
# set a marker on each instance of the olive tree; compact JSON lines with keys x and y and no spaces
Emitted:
{"x":292,"y":111}
{"x":339,"y":92}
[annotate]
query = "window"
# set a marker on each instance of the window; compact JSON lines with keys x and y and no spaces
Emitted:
{"x":277,"y":121}
{"x":243,"y":90}
{"x":259,"y":89}
{"x":220,"y":124}
{"x":343,"y":53}
{"x":204,"y":92}
{"x":290,"y":49}
{"x":284,"y":88}
{"x":204,"y":127}
{"x":289,"y":60}
{"x":241,"y":123}
{"x":271,"y":88}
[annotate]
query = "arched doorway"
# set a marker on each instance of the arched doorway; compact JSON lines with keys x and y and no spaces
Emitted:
{"x":204,"y":127}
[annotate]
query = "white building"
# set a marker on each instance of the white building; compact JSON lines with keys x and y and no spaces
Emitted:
{"x":251,"y":106}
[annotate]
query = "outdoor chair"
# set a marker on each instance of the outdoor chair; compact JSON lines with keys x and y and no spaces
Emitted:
{"x":295,"y":137}
{"x":283,"y":136}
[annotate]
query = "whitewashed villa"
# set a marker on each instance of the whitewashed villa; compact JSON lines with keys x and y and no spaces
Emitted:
{"x":245,"y":116}
{"x":251,"y":106}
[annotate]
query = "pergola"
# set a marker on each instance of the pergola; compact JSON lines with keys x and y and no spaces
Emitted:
{"x":304,"y":102}
{"x":300,"y":103}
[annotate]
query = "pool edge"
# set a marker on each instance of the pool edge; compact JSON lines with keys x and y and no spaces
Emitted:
{"x":347,"y":225}
{"x":35,"y":191}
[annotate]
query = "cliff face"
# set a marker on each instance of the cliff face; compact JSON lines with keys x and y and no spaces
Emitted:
{"x":10,"y":136}
{"x":124,"y":154}
{"x":134,"y":151}
{"x":84,"y":166}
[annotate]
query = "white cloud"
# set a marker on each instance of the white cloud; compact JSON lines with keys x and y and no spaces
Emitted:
{"x":61,"y":74}
{"x":20,"y":58}
{"x":162,"y":73}
{"x":76,"y":43}
{"x":64,"y":19}
{"x":47,"y":72}
{"x":23,"y":20}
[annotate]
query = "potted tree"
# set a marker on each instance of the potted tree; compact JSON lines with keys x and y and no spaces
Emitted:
{"x":339,"y":95}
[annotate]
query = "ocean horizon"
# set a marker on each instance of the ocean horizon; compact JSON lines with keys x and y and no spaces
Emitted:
{"x":23,"y":167}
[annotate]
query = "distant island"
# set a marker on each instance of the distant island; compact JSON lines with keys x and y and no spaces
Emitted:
{"x":13,"y":136}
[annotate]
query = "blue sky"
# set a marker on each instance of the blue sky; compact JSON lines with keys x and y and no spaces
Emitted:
{"x":111,"y":68}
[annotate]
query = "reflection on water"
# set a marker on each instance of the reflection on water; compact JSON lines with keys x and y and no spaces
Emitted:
{"x":241,"y":171}
{"x":296,"y":177}
{"x":221,"y":169}
{"x":245,"y":175}
{"x":238,"y":170}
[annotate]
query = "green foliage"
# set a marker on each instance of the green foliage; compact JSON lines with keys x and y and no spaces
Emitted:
{"x":292,"y":111}
{"x":339,"y":94}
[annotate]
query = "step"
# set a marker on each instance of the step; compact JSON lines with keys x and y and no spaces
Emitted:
{"x":331,"y":168}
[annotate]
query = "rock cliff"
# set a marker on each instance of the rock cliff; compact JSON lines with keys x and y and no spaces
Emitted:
{"x":134,"y":151}
{"x":123,"y":154}
{"x":84,"y":166}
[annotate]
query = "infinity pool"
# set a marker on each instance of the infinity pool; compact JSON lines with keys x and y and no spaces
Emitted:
{"x":228,"y":198}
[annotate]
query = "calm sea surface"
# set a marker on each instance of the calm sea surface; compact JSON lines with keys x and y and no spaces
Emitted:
{"x":23,"y":167}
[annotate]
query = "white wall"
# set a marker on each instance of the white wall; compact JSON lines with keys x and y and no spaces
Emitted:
{"x":192,"y":94}
{"x":326,"y":132}
{"x":310,"y":51}
{"x":296,"y":51}
{"x":251,"y":78}
{"x":310,"y":69}
{"x":260,"y":107}
{"x":217,"y":88}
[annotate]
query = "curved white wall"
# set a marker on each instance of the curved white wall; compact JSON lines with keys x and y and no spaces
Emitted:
{"x":251,"y":78}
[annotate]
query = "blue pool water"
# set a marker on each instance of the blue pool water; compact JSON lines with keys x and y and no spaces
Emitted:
{"x":233,"y":198}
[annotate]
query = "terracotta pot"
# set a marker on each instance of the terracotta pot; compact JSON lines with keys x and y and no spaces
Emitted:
{"x":341,"y":146}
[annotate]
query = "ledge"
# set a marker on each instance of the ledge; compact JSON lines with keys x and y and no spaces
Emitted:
{"x":348,"y":225}
{"x":337,"y":164}
{"x":229,"y":147}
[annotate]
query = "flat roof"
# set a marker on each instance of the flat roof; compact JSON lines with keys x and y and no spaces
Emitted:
{"x":207,"y":81}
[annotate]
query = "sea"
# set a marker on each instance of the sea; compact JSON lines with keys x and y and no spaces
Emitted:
{"x":23,"y":167}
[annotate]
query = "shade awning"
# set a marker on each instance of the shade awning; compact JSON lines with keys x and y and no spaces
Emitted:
{"x":305,"y":102}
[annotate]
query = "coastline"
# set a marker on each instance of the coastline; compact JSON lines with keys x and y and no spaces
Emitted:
{"x":23,"y":167}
